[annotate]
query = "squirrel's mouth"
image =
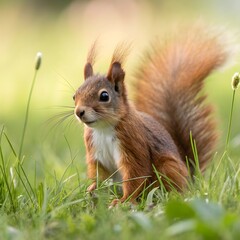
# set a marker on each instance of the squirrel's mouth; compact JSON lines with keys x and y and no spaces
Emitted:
{"x":89,"y":123}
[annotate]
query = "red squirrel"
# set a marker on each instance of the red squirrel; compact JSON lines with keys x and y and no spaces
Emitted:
{"x":133,"y":143}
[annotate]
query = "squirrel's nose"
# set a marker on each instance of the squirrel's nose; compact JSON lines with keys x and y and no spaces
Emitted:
{"x":80,"y":112}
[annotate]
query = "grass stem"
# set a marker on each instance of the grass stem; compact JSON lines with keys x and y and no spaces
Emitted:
{"x":230,"y":121}
{"x":37,"y":66}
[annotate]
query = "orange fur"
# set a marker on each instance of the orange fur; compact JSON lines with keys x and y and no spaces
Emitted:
{"x":153,"y":133}
{"x":171,"y":79}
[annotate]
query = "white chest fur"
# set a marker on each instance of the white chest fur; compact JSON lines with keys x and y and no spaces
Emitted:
{"x":107,"y":150}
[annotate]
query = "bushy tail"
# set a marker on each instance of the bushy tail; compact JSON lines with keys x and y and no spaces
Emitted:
{"x":169,"y":85}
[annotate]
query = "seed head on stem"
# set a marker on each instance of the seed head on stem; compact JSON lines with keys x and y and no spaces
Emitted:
{"x":37,"y":66}
{"x":235,"y":83}
{"x":235,"y":80}
{"x":38,"y":60}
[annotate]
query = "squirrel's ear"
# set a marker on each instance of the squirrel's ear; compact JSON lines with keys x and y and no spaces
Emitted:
{"x":88,"y":71}
{"x":116,"y":73}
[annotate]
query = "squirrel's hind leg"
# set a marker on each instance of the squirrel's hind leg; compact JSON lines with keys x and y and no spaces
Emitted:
{"x":172,"y":172}
{"x":135,"y":179}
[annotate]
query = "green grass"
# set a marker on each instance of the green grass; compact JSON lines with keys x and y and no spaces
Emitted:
{"x":58,"y":207}
{"x":43,"y":191}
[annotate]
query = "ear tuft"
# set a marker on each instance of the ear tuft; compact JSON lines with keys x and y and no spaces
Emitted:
{"x":88,"y":69}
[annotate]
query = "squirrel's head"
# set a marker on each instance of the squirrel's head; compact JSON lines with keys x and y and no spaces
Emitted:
{"x":101,"y":100}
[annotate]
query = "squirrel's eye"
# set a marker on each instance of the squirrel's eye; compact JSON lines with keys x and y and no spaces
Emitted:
{"x":104,"y":97}
{"x":74,"y":97}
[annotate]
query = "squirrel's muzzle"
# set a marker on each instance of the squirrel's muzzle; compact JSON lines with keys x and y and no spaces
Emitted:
{"x":85,"y":115}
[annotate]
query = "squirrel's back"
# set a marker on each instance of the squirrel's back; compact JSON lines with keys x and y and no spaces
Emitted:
{"x":169,"y":84}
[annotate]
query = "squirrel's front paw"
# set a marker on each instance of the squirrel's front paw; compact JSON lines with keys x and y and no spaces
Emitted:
{"x":92,"y":187}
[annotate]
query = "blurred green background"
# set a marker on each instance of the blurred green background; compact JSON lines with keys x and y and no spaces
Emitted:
{"x":63,"y":31}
